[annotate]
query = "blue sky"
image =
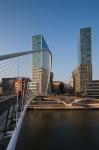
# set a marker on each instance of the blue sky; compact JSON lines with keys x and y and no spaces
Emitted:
{"x":59,"y":21}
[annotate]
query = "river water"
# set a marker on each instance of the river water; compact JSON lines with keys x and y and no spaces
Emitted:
{"x":60,"y":130}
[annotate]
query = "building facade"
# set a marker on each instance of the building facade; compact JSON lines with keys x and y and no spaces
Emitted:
{"x":92,"y":89}
{"x":10,"y":86}
{"x":83,"y":73}
{"x":85,"y":49}
{"x":41,"y":66}
{"x":82,"y":76}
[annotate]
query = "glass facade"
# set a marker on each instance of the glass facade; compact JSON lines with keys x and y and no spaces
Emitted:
{"x":41,"y":65}
{"x":85,"y":46}
{"x":38,"y":43}
{"x":40,"y":59}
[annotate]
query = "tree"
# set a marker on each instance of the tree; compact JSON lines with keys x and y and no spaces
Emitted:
{"x":61,"y":87}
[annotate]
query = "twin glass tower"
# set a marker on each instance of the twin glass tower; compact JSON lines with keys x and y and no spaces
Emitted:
{"x":85,"y":46}
{"x":83,"y":73}
{"x":41,"y":66}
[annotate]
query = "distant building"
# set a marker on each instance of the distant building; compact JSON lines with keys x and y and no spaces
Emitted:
{"x":21,"y":85}
{"x":58,"y":87}
{"x":10,"y":86}
{"x":73,"y":77}
{"x":76,"y":80}
{"x":41,"y":65}
{"x":83,"y":73}
{"x":71,"y":82}
{"x":92,"y":89}
{"x":33,"y":87}
{"x":82,"y":77}
{"x":56,"y":83}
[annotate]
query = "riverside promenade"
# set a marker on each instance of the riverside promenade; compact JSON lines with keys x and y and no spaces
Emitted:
{"x":63,"y":103}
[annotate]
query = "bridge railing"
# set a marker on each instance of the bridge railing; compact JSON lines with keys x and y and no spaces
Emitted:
{"x":15,"y":74}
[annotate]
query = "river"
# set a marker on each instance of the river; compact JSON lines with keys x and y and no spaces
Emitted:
{"x":60,"y":130}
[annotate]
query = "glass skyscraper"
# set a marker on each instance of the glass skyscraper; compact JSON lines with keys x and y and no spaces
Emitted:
{"x":85,"y":46}
{"x":41,"y":65}
{"x":40,"y":59}
{"x":38,"y":43}
{"x":83,"y":73}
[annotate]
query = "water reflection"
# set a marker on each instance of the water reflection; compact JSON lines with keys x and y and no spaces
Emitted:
{"x":61,"y":130}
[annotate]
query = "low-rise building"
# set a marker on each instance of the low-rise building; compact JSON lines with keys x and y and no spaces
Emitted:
{"x":82,"y":76}
{"x":92,"y":89}
{"x":10,"y":86}
{"x":40,"y":77}
{"x":58,"y":87}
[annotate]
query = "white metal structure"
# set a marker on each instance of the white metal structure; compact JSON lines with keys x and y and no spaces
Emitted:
{"x":15,"y":134}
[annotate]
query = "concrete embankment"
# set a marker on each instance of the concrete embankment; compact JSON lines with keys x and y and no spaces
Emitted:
{"x":47,"y":107}
{"x":61,"y":103}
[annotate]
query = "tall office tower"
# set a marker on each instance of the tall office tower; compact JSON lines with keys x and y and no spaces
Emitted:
{"x":85,"y":46}
{"x":41,"y":65}
{"x":83,"y":73}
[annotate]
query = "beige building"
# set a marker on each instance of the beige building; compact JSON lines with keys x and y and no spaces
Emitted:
{"x":92,"y":89}
{"x":82,"y":76}
{"x":83,"y":73}
{"x":76,"y":78}
{"x":40,"y":76}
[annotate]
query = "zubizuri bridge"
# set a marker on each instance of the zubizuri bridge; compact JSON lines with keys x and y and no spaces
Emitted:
{"x":15,"y":92}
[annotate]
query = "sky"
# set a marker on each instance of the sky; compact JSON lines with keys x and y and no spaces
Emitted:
{"x":59,"y":21}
